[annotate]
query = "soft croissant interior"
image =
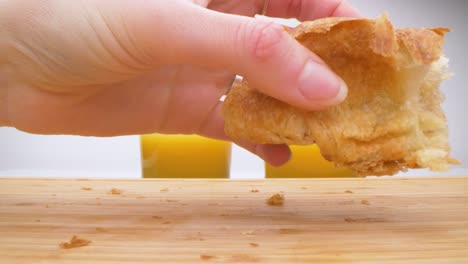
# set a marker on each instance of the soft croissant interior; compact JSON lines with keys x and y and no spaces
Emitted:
{"x":391,"y":120}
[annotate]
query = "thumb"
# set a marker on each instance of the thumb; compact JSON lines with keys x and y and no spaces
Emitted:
{"x":263,"y":52}
{"x":276,"y":64}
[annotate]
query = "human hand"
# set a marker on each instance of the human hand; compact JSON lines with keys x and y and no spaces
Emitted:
{"x":106,"y":68}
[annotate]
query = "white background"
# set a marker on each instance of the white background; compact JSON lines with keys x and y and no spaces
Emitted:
{"x":66,"y":156}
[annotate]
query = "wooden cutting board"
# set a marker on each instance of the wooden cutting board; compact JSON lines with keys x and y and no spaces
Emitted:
{"x":228,"y":221}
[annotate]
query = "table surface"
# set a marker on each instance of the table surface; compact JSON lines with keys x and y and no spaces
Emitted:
{"x":355,"y":220}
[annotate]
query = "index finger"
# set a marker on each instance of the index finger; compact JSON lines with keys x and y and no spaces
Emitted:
{"x":310,"y":9}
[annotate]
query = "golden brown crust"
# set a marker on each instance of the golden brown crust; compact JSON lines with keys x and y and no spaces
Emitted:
{"x":391,"y":119}
{"x":441,"y":31}
{"x":425,"y":46}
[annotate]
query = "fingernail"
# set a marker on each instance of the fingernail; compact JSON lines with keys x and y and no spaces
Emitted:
{"x":321,"y":86}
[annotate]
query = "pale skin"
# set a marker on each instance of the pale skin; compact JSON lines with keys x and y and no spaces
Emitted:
{"x":106,"y":68}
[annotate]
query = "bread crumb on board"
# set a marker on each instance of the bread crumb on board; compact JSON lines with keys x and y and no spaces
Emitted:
{"x":364,"y":220}
{"x":365,"y":202}
{"x":207,"y":257}
{"x":115,"y":191}
{"x":86,"y":188}
{"x":276,"y":199}
{"x":254,"y":190}
{"x":100,"y":229}
{"x":253,"y":244}
{"x":348,"y":191}
{"x":164,"y":190}
{"x":74,"y":243}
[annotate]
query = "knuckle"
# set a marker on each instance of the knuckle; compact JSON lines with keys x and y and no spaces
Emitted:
{"x":263,"y":38}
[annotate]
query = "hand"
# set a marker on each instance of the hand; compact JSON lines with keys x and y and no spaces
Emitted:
{"x":106,"y":68}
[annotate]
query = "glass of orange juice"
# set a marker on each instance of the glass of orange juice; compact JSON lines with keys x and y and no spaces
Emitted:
{"x":306,"y":162}
{"x":184,"y":156}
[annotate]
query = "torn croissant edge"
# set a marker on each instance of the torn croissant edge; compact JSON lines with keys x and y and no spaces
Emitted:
{"x":391,"y":119}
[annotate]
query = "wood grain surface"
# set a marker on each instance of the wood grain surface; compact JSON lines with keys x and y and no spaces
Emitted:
{"x":229,"y":221}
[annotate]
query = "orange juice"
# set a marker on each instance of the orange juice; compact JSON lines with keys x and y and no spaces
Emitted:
{"x":184,"y":156}
{"x":306,"y":162}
